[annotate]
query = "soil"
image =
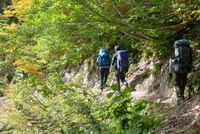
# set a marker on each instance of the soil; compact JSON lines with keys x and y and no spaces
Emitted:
{"x":180,"y":120}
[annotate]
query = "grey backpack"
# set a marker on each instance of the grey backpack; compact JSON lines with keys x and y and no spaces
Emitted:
{"x":182,"y":61}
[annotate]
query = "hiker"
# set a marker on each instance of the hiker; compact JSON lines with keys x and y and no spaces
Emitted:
{"x":121,"y":65}
{"x":103,"y":64}
{"x":180,"y":65}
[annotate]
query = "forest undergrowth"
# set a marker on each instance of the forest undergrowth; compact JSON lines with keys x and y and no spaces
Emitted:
{"x":99,"y":110}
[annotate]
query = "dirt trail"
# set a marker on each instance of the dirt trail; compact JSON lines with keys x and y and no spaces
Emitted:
{"x":184,"y":119}
{"x":143,"y":95}
{"x":181,"y":120}
{"x":176,"y":120}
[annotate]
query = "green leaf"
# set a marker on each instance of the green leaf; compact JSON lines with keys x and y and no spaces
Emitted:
{"x":117,"y":98}
{"x":126,"y":91}
{"x":110,"y":95}
{"x":140,"y":105}
{"x":115,"y":87}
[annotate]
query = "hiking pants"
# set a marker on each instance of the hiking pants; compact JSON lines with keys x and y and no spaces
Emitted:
{"x":103,"y":75}
{"x":180,"y":83}
{"x":120,"y":76}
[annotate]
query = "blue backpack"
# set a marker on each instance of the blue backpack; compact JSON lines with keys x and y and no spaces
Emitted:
{"x":122,"y":60}
{"x":104,"y":58}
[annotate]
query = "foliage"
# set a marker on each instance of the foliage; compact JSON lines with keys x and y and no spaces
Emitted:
{"x":63,"y":27}
{"x":156,"y":68}
{"x":194,"y":81}
{"x":72,"y":112}
{"x":38,"y":38}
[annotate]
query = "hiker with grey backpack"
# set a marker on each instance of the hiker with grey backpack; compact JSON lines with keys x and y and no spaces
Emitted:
{"x":179,"y":67}
{"x":120,"y":61}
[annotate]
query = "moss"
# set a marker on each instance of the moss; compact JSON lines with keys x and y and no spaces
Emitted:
{"x":156,"y":68}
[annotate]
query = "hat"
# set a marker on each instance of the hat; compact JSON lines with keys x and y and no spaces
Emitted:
{"x":117,"y":47}
{"x":103,"y":51}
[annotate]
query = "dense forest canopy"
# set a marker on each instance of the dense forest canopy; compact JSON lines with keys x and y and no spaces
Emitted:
{"x":38,"y":38}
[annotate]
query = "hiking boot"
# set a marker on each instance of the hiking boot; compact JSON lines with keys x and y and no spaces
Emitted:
{"x":180,"y":101}
{"x":125,"y":83}
{"x":101,"y":87}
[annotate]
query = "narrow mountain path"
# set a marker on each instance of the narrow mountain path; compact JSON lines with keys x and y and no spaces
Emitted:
{"x":143,"y":95}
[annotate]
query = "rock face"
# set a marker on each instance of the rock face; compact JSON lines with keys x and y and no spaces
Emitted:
{"x":156,"y":85}
{"x":138,"y":78}
{"x":85,"y":74}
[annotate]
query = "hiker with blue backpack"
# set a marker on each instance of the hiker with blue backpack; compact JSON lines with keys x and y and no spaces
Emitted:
{"x":120,"y":62}
{"x":179,"y":67}
{"x":103,"y":64}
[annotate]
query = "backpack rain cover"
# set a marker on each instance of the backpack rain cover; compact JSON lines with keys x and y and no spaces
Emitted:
{"x":122,"y":60}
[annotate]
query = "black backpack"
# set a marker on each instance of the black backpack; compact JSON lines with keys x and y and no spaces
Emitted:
{"x":182,"y":61}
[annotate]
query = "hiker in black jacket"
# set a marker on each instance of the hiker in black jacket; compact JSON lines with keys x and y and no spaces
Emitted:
{"x":121,"y":65}
{"x":180,"y":65}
